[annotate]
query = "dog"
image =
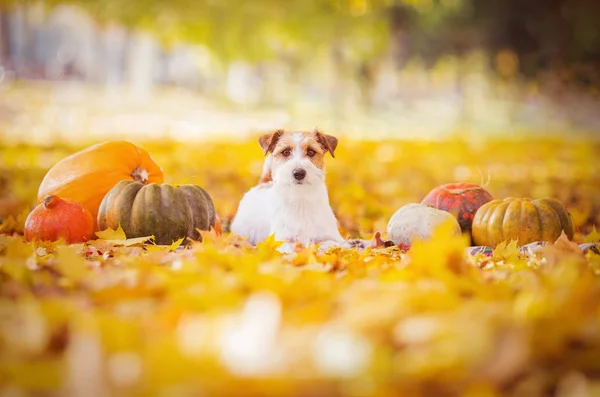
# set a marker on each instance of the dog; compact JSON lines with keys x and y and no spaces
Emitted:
{"x":291,"y":200}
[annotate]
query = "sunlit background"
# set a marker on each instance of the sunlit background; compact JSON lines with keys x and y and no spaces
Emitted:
{"x":192,"y":70}
{"x":420,"y":93}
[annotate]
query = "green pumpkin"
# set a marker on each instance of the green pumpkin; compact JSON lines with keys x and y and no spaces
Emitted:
{"x":165,"y":211}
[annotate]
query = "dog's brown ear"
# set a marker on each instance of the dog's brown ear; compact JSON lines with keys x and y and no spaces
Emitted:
{"x":328,"y":142}
{"x":268,"y":141}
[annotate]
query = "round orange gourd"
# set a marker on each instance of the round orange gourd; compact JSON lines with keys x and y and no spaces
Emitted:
{"x":521,"y":219}
{"x":86,"y":176}
{"x":56,"y":218}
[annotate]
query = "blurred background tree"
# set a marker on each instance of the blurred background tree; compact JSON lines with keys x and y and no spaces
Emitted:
{"x":543,"y":33}
{"x":349,"y":64}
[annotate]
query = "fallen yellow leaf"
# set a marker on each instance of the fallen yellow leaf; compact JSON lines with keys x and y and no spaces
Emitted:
{"x":506,"y":252}
{"x":592,"y":237}
{"x":70,"y":264}
{"x":159,"y":248}
{"x":110,"y":234}
{"x":267,"y":247}
{"x":118,"y":237}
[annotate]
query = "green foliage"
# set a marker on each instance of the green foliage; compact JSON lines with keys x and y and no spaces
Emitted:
{"x":262,"y":29}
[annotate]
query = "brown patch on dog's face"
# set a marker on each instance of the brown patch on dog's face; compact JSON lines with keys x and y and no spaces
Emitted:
{"x":268,"y":141}
{"x":328,"y":142}
{"x":285,"y":150}
{"x":313,"y":150}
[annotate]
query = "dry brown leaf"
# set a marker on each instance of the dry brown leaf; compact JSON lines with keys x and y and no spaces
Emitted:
{"x":378,"y":242}
{"x":562,"y":249}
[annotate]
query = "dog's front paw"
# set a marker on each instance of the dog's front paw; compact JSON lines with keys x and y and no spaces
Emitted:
{"x":290,"y":246}
{"x":325,"y":245}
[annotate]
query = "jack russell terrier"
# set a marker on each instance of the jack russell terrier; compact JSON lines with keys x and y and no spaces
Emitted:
{"x":291,"y":199}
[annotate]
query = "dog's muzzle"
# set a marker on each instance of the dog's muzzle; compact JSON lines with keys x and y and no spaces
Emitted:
{"x":299,"y":174}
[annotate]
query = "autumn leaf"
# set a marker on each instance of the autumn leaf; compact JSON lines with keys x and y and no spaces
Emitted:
{"x":506,"y":252}
{"x":208,"y":236}
{"x":562,"y":249}
{"x":304,"y":256}
{"x":443,"y":252}
{"x":118,"y":237}
{"x":176,"y":244}
{"x":158,"y":248}
{"x":110,"y":234}
{"x":565,"y":245}
{"x":9,"y":225}
{"x":268,"y":247}
{"x":71,"y":264}
{"x":378,"y":242}
{"x":155,"y":248}
{"x":592,"y":237}
{"x":15,"y":271}
{"x":15,"y":247}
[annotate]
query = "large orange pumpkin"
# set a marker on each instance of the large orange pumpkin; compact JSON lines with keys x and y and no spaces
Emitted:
{"x":86,"y":176}
{"x":56,"y":218}
{"x":521,"y":219}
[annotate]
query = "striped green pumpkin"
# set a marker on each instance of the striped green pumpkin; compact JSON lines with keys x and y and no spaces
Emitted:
{"x":168,"y":212}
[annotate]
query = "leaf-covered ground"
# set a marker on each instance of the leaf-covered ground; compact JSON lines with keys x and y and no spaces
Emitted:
{"x":116,"y":317}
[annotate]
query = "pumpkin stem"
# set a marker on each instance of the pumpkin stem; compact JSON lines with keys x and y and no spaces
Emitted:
{"x":48,"y":201}
{"x":140,"y":175}
{"x":481,"y":175}
{"x":460,"y":191}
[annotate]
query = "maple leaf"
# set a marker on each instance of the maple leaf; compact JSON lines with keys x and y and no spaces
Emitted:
{"x":118,"y":237}
{"x":15,"y":247}
{"x":593,"y":237}
{"x":304,"y":256}
{"x":159,"y":248}
{"x":110,"y":234}
{"x":15,"y":251}
{"x":155,"y":248}
{"x":70,"y":264}
{"x":562,"y":249}
{"x":564,"y":244}
{"x":268,"y":247}
{"x":208,"y":236}
{"x":8,"y":225}
{"x":506,"y":252}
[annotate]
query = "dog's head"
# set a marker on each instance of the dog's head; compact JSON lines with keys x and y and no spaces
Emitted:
{"x":297,"y":158}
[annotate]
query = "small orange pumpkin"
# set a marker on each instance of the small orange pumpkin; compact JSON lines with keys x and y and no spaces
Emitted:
{"x":56,"y":218}
{"x":86,"y":176}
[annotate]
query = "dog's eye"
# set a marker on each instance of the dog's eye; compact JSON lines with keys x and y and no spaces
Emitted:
{"x":286,"y":152}
{"x":311,"y":152}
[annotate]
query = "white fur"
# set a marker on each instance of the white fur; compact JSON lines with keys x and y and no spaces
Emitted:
{"x":294,"y":212}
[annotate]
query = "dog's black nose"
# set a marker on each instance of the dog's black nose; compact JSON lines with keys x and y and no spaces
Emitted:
{"x":299,"y":174}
